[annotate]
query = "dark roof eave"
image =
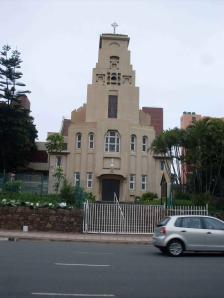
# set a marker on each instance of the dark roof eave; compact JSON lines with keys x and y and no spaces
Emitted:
{"x":59,"y":152}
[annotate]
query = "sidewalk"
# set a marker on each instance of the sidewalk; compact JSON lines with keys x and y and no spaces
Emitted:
{"x":57,"y":236}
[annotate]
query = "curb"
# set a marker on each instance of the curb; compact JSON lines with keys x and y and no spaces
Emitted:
{"x":15,"y":236}
{"x":4,"y":238}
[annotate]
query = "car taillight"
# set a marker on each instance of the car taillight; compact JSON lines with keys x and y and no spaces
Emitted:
{"x":163,"y":231}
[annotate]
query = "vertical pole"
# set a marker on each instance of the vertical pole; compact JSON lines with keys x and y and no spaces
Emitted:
{"x":41,"y":185}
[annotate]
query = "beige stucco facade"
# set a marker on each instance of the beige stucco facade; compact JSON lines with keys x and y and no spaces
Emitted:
{"x":109,"y":137}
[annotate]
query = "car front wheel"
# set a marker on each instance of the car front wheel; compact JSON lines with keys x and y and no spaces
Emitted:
{"x":175,"y":248}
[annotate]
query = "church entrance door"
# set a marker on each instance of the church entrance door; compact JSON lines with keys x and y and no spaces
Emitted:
{"x":109,"y":187}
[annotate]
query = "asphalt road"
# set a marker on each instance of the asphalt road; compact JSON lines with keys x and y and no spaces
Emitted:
{"x":68,"y":269}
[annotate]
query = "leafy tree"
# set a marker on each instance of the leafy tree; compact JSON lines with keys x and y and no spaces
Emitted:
{"x":17,"y":130}
{"x":10,"y":75}
{"x":55,"y":143}
{"x":169,"y":146}
{"x":204,"y":153}
{"x":59,"y":177}
{"x":17,"y":137}
{"x":200,"y":151}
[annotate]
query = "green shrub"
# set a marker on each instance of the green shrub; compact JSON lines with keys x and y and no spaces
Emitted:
{"x":137,"y":199}
{"x":28,"y":199}
{"x":180,"y":195}
{"x":91,"y":198}
{"x":183,"y":202}
{"x":201,"y":199}
{"x":69,"y":197}
{"x":146,"y":198}
{"x":149,"y":196}
{"x":80,"y":196}
{"x":12,"y":186}
{"x":67,"y":192}
{"x":216,"y":204}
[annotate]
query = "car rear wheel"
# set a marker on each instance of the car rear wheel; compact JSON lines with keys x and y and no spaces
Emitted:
{"x":175,"y":248}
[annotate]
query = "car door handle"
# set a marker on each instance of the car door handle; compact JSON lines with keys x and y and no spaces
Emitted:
{"x":209,"y":232}
{"x":183,"y":231}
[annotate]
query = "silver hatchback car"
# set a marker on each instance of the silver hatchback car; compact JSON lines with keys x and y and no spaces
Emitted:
{"x":176,"y":234}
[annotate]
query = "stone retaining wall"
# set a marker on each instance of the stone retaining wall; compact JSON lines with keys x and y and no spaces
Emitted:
{"x":41,"y":219}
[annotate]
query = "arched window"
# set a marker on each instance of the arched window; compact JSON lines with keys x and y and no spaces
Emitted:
{"x":91,"y":140}
{"x":144,"y":144}
{"x":78,"y":140}
{"x":133,"y":143}
{"x":112,"y":141}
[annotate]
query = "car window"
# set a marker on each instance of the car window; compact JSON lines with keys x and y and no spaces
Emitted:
{"x":178,"y":222}
{"x":213,"y":224}
{"x":163,"y":222}
{"x":189,"y":222}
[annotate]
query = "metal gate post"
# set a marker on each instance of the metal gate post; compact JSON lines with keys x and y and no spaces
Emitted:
{"x":85,"y":217}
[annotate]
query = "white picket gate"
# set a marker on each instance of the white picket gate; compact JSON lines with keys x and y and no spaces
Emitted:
{"x":130,"y":218}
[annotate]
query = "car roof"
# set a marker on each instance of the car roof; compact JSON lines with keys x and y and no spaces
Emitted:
{"x":174,"y":217}
{"x":190,"y":215}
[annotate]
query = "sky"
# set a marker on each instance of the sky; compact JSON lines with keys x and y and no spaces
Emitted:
{"x":177,"y":51}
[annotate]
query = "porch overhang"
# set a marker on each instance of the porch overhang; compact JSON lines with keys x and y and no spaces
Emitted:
{"x":111,"y":176}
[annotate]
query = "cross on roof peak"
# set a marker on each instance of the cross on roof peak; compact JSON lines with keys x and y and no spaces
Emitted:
{"x":114,"y":25}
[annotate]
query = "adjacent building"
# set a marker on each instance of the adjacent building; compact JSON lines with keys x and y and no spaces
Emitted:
{"x":108,"y":139}
{"x":188,"y":118}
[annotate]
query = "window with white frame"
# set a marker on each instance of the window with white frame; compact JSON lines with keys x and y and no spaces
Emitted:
{"x":112,"y":141}
{"x":144,"y":183}
{"x":133,"y":143}
{"x":144,"y":144}
{"x":132,"y":180}
{"x":78,"y":140}
{"x":77,"y":178}
{"x":91,"y":140}
{"x":89,"y":180}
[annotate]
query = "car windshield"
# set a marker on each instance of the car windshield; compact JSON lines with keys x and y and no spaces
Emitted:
{"x":163,"y":222}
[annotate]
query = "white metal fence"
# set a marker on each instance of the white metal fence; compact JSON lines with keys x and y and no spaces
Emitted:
{"x":130,"y":218}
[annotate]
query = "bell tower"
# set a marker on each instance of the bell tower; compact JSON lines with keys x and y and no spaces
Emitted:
{"x":113,"y":93}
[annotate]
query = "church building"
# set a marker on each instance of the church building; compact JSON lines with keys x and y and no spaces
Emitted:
{"x":108,"y":138}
